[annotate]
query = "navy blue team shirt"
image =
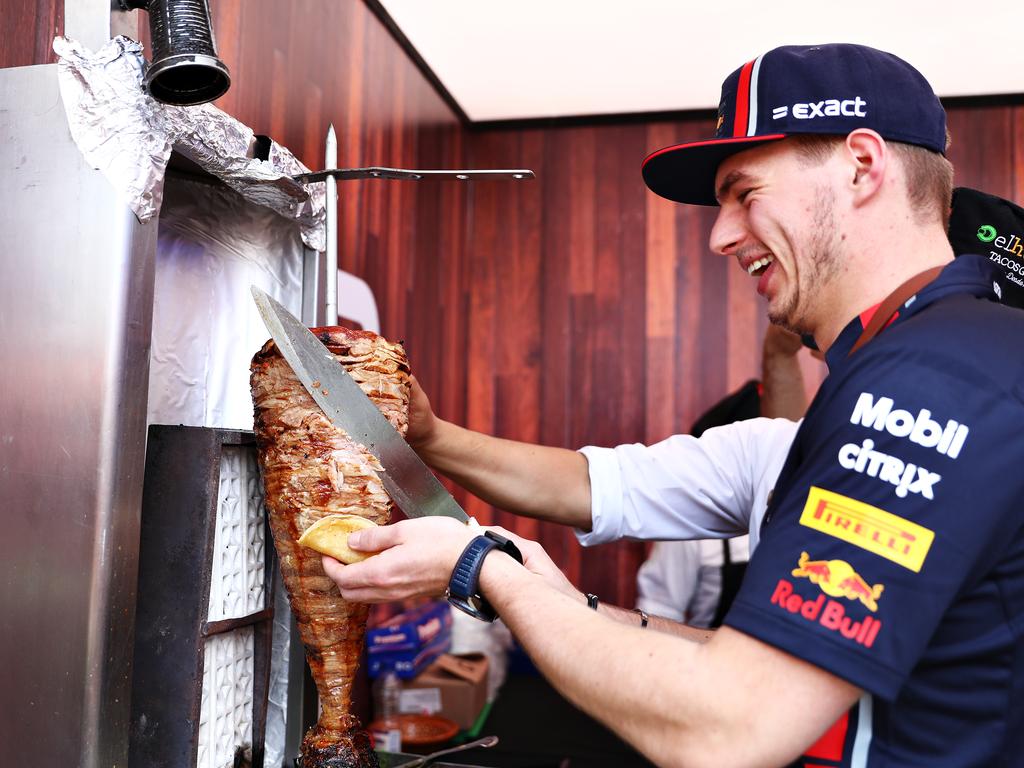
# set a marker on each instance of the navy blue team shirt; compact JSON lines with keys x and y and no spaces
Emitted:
{"x":892,"y":552}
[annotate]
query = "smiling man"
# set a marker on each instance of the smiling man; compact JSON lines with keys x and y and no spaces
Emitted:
{"x":885,"y":601}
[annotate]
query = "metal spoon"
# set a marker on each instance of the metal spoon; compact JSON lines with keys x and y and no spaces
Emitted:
{"x":419,"y":762}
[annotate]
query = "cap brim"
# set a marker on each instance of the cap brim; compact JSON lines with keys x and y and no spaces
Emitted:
{"x":685,"y":173}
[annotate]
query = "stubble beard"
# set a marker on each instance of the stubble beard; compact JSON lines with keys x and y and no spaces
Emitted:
{"x":817,"y":271}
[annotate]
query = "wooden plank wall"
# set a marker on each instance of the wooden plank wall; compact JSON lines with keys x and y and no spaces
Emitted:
{"x":27,"y":29}
{"x":574,"y":309}
{"x":598,"y":315}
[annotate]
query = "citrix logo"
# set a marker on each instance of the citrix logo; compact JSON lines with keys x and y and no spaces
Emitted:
{"x":855,"y":107}
{"x":906,"y":477}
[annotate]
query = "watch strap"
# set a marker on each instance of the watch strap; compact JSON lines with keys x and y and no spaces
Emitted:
{"x":464,"y":585}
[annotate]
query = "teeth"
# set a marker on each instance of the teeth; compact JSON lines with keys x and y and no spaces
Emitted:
{"x":764,"y":261}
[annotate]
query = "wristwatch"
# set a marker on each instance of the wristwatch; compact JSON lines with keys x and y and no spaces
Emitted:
{"x":464,"y":586}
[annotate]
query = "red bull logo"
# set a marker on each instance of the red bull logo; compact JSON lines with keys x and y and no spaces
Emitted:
{"x":831,"y":614}
{"x":838,"y":579}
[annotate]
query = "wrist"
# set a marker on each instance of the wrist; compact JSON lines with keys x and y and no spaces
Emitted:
{"x":465,"y":589}
{"x":644,"y":618}
{"x":425,"y":437}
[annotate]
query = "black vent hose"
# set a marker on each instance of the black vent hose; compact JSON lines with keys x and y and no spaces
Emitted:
{"x":185,"y":68}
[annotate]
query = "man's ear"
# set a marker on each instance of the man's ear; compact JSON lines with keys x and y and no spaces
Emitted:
{"x":868,"y":158}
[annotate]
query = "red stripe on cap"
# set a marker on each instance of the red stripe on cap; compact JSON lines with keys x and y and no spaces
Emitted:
{"x":739,"y":123}
{"x":706,"y":142}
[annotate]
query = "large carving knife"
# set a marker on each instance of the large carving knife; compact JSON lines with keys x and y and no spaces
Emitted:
{"x":409,"y":482}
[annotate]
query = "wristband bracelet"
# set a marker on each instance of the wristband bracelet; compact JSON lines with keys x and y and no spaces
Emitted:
{"x":643,"y":617}
{"x":592,"y":601}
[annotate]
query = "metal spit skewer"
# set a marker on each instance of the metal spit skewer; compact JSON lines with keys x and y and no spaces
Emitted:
{"x":332,"y":173}
{"x":331,"y":287}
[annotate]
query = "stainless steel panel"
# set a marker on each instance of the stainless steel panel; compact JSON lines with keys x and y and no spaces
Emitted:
{"x":75,"y":318}
{"x":93,"y":22}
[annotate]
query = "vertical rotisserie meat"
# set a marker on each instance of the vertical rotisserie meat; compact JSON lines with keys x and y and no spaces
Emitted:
{"x":311,"y":469}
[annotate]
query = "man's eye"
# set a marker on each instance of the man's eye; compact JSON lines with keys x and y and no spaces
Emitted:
{"x":742,"y":196}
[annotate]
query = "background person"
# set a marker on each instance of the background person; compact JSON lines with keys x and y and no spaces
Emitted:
{"x":695,"y":581}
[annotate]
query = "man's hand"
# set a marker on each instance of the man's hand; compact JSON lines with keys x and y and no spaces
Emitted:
{"x":422,"y":421}
{"x":779,"y":341}
{"x":783,"y":395}
{"x":539,"y":562}
{"x":416,"y":559}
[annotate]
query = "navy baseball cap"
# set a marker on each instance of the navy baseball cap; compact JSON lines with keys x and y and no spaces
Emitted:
{"x":799,"y":89}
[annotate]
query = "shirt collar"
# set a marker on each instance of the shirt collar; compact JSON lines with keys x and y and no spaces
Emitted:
{"x":973,"y":275}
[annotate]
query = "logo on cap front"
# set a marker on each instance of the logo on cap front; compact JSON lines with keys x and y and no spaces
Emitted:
{"x":987,"y":233}
{"x":808,"y":110}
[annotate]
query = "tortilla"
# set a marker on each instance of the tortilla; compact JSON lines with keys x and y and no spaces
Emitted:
{"x":329,"y":536}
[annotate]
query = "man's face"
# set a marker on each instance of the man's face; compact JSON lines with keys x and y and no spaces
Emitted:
{"x":777,"y":218}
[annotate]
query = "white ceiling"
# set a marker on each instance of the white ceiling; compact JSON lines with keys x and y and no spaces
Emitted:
{"x":516,"y":59}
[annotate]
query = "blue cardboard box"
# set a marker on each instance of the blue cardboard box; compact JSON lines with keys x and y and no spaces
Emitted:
{"x":409,"y":642}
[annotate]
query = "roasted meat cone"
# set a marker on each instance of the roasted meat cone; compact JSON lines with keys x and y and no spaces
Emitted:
{"x":311,"y":469}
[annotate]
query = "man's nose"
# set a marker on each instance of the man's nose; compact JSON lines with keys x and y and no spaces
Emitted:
{"x":728,"y":232}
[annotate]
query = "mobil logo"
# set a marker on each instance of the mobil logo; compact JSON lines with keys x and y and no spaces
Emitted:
{"x":879,"y":414}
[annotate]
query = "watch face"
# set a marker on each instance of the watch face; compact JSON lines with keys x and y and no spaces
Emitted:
{"x":477,"y":603}
{"x":474,"y":605}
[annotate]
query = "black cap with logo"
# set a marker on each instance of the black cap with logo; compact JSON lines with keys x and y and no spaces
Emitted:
{"x":986,"y":225}
{"x":992,"y":227}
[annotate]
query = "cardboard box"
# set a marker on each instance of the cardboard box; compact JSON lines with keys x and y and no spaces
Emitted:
{"x":453,"y":686}
{"x":411,"y":630}
{"x":407,"y":663}
{"x":408,"y":642}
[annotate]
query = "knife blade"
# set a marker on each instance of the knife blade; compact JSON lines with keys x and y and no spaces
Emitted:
{"x":409,"y":482}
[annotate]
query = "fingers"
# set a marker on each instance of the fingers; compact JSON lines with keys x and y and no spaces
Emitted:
{"x":387,"y":536}
{"x":415,"y":559}
{"x":366,"y":585}
{"x":332,"y":567}
{"x":375,"y":539}
{"x":528,"y":547}
{"x":537,"y":560}
{"x":421,"y":416}
{"x":782,"y":341}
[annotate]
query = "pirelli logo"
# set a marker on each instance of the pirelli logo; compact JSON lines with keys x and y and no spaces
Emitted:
{"x":867,"y":527}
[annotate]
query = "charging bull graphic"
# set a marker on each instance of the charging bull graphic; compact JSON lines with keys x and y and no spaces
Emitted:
{"x":838,"y":579}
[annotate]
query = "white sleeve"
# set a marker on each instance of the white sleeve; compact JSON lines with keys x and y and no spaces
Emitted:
{"x":667,"y":580}
{"x":685,"y":487}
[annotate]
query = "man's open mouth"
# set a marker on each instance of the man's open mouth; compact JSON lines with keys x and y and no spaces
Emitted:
{"x":757,"y":267}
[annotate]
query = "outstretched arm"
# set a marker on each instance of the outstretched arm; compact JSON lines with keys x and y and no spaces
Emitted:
{"x":533,"y":480}
{"x":680,"y":703}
